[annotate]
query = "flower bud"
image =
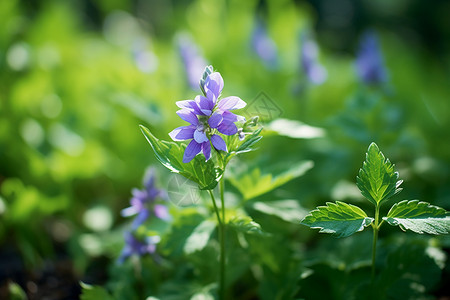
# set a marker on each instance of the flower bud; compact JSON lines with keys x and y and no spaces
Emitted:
{"x":208,"y":70}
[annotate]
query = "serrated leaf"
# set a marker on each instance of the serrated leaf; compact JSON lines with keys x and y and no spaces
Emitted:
{"x":420,"y":217}
{"x":199,"y":237}
{"x":340,"y":219}
{"x":91,"y":292}
{"x":246,"y":225}
{"x":377,"y":179}
{"x":255,"y":182}
{"x":170,"y":154}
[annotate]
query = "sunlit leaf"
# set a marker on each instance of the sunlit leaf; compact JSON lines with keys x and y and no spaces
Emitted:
{"x":377,"y":179}
{"x":170,"y":154}
{"x":199,"y":237}
{"x":294,"y":129}
{"x":245,"y":225}
{"x":287,"y":210}
{"x":420,"y":217}
{"x":340,"y":219}
{"x":254,"y":182}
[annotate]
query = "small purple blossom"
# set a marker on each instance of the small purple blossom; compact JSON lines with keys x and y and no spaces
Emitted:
{"x":314,"y":71}
{"x":144,"y":202}
{"x":193,"y":62}
{"x":207,"y":116}
{"x":264,"y":46}
{"x":369,"y":62}
{"x":133,"y":246}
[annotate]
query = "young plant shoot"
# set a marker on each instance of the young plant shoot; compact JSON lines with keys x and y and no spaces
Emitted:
{"x":378,"y":181}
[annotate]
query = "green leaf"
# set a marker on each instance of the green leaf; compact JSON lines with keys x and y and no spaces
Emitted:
{"x":420,"y":217}
{"x":90,"y":292}
{"x":246,"y":225}
{"x":254,"y":182}
{"x":199,"y":237}
{"x":377,"y":179}
{"x":170,"y":154}
{"x":16,"y":292}
{"x":237,"y":146}
{"x":340,"y":219}
{"x":287,"y":210}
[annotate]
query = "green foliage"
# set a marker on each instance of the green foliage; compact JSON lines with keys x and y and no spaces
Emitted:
{"x":340,"y":219}
{"x":16,"y":292}
{"x":170,"y":154}
{"x":377,"y":179}
{"x":420,"y":217}
{"x":255,"y":182}
{"x":287,"y":210}
{"x":90,"y":292}
{"x":237,"y":146}
{"x":199,"y":237}
{"x":246,"y":225}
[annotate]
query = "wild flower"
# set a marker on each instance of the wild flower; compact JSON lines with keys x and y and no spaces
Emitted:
{"x":369,"y":62}
{"x":315,"y":72}
{"x":147,"y":202}
{"x":264,"y":46}
{"x":134,"y":246}
{"x":207,"y":116}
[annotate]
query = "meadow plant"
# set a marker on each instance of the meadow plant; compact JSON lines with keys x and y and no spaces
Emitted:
{"x":378,"y":182}
{"x":216,"y":135}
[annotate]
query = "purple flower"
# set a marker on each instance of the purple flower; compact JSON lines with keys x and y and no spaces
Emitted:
{"x":369,"y":62}
{"x":193,"y":62}
{"x":314,"y":71}
{"x":133,"y":246}
{"x":264,"y":46}
{"x":207,"y":116}
{"x":144,"y":202}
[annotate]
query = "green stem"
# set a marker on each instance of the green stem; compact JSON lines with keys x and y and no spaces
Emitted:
{"x":375,"y":227}
{"x":222,"y":242}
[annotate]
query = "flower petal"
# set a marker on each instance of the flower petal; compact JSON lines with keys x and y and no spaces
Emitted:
{"x":182,"y":133}
{"x":214,"y":83}
{"x":215,"y":120}
{"x":206,"y":146}
{"x":191,"y":151}
{"x":200,"y":136}
{"x":161,"y":212}
{"x":188,"y":116}
{"x":206,"y":105}
{"x":140,"y":218}
{"x":229,"y":117}
{"x":227,"y":128}
{"x":218,"y":142}
{"x":190,"y":105}
{"x":231,"y":103}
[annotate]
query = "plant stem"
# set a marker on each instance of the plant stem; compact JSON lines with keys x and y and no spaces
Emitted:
{"x":375,"y":227}
{"x":221,"y":240}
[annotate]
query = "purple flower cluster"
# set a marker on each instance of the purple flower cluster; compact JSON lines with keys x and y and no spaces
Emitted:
{"x":144,"y":204}
{"x":314,"y":71}
{"x":207,"y":116}
{"x":369,"y":62}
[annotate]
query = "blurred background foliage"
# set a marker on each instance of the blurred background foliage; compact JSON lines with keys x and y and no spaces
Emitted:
{"x":78,"y":77}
